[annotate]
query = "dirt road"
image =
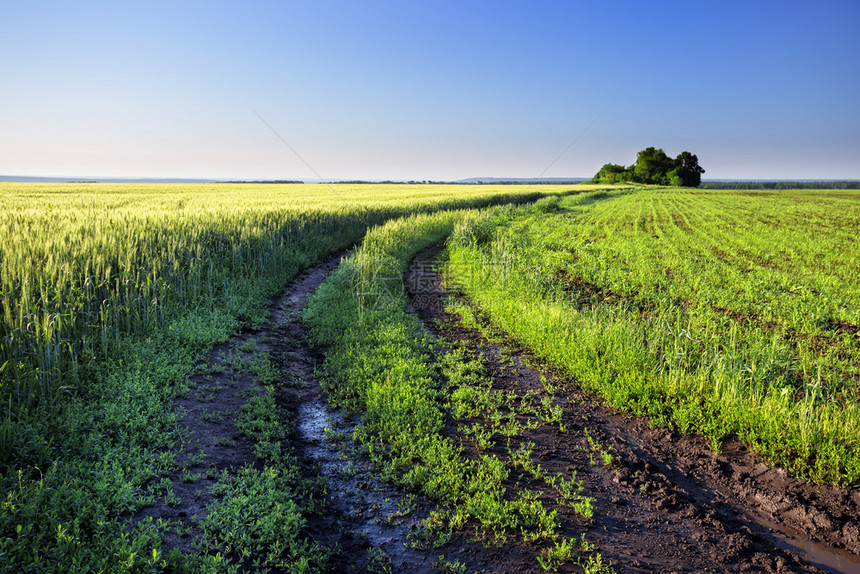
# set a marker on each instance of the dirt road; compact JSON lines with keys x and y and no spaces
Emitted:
{"x":662,"y":502}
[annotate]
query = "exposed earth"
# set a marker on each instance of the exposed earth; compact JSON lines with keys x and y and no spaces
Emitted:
{"x":666,"y":503}
{"x":662,"y":502}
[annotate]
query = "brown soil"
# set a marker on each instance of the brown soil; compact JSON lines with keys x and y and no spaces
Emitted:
{"x":666,"y":503}
{"x":372,"y":525}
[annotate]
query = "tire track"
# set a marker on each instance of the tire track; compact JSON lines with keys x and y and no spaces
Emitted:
{"x":665,"y":503}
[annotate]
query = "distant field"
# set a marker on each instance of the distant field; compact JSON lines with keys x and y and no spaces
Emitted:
{"x":725,"y":312}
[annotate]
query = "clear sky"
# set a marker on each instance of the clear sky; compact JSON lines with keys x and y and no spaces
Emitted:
{"x":427,"y":90}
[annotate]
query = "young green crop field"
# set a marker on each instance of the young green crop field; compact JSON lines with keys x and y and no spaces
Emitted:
{"x":724,"y":313}
{"x":109,"y":296}
{"x":728,"y":313}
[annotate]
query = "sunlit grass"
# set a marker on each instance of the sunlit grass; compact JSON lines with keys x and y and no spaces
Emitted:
{"x":724,"y":313}
{"x":381,"y":363}
{"x":109,"y":295}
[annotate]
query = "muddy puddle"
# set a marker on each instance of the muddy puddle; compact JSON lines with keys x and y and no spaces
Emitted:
{"x":823,"y":556}
{"x":380,"y":514}
{"x":379,"y":517}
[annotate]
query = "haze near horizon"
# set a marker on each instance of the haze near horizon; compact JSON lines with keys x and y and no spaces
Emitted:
{"x":441,"y":91}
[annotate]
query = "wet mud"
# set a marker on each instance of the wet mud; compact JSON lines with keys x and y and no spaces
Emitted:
{"x":663,"y":502}
{"x":372,"y":526}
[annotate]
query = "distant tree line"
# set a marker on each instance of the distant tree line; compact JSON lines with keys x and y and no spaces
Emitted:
{"x":280,"y":181}
{"x":654,"y":166}
{"x":846,"y":184}
{"x":470,"y":182}
{"x":387,"y":182}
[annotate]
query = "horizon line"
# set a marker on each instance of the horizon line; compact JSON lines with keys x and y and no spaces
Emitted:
{"x":488,"y":179}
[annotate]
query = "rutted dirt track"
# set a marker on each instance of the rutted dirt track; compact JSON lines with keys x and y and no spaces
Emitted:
{"x":369,"y":521}
{"x":213,"y":443}
{"x":666,"y":503}
{"x":371,"y":525}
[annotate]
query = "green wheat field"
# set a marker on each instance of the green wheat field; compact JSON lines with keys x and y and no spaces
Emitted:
{"x":726,"y":313}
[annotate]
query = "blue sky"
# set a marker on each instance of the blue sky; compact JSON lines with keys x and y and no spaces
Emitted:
{"x":427,"y":90}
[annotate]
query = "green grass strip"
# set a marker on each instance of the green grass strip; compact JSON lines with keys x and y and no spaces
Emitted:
{"x":380,"y":363}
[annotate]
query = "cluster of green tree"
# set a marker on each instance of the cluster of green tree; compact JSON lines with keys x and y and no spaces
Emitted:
{"x":654,"y":166}
{"x":849,"y":184}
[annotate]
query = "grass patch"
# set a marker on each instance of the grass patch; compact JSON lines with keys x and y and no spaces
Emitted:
{"x":380,"y":362}
{"x":650,"y":304}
